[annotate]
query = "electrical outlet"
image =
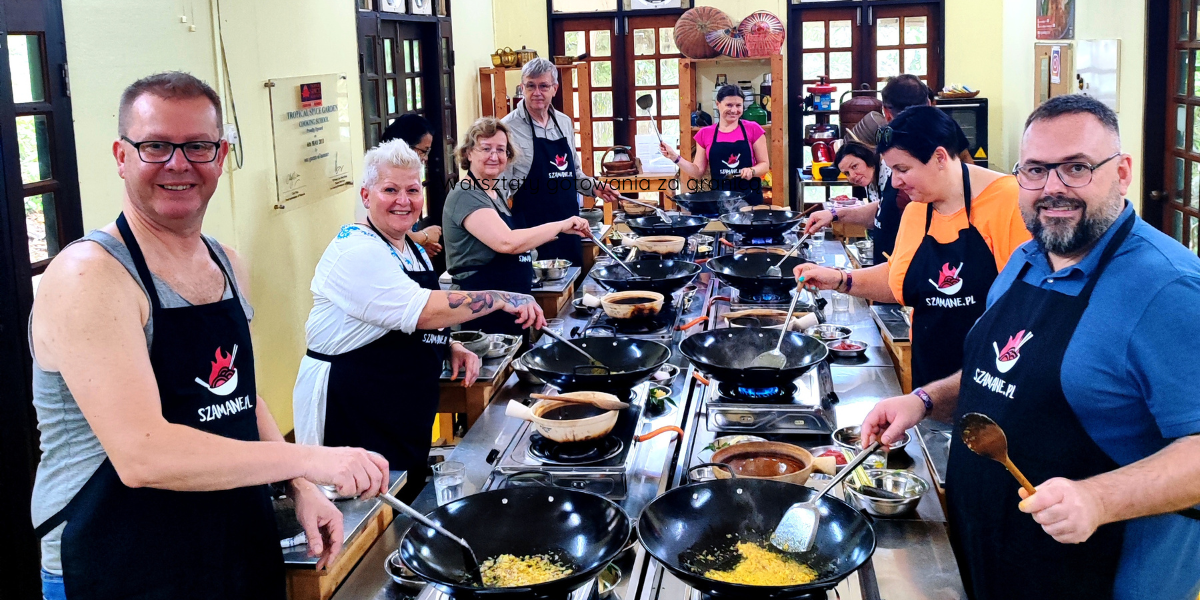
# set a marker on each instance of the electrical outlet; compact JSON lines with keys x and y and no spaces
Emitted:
{"x":231,"y":134}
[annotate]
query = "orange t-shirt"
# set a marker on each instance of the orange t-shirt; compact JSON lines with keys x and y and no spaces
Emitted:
{"x":994,"y":212}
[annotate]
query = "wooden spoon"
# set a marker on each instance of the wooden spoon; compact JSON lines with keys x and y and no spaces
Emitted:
{"x":985,"y":438}
{"x":597,"y":399}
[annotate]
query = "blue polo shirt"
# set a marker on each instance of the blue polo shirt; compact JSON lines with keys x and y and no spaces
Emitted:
{"x":1130,"y":375}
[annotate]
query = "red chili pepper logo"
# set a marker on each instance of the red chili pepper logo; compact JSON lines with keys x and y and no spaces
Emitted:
{"x":222,"y":379}
{"x":1006,"y":358}
{"x":560,"y":162}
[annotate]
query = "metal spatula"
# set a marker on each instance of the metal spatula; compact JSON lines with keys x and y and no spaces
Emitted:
{"x":619,"y":261}
{"x":569,"y":343}
{"x":774,"y":358}
{"x":774,"y":270}
{"x":644,"y":102}
{"x":798,"y":527}
{"x":469,"y":559}
{"x":658,"y":211}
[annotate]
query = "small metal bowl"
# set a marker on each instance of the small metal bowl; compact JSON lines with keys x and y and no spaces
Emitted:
{"x":665,"y":402}
{"x":904,"y":483}
{"x":408,"y":581}
{"x":846,"y":353}
{"x":607,"y":580}
{"x":828,"y":333}
{"x":502,"y":345}
{"x":475,"y":341}
{"x":851,"y":438}
{"x":550,"y":270}
{"x":672,"y":372}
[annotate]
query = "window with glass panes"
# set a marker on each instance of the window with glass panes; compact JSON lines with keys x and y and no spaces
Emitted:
{"x":651,"y":45}
{"x":594,"y":37}
{"x":1182,"y":218}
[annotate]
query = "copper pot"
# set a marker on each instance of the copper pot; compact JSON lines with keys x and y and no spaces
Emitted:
{"x":861,"y":102}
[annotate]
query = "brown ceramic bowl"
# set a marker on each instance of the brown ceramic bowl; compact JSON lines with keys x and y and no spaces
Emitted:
{"x":765,"y":460}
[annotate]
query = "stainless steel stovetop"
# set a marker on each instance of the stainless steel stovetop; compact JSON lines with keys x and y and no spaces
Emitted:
{"x":809,"y":410}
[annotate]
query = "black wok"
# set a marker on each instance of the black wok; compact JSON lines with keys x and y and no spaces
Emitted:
{"x":682,"y":528}
{"x":680,"y":225}
{"x":629,"y":361}
{"x":747,"y":271}
{"x":581,"y":529}
{"x":663,"y":276}
{"x":762,"y":223}
{"x":726,"y":354}
{"x":710,"y":203}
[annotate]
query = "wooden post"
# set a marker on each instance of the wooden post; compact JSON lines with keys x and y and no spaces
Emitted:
{"x":500,"y":91}
{"x":585,"y":118}
{"x":486,"y":96}
{"x":687,"y":99}
{"x":779,"y":179}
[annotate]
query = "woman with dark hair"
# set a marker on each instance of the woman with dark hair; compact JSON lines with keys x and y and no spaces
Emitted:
{"x":417,"y":132}
{"x":731,"y":149}
{"x":881,"y":214}
{"x":948,"y":251}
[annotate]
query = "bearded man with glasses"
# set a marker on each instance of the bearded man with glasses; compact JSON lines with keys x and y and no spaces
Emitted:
{"x":1084,"y":357}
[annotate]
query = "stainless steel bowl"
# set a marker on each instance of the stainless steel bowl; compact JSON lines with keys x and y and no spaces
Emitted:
{"x":904,"y":483}
{"x":828,"y":333}
{"x":850,"y":437}
{"x":501,"y":345}
{"x":408,"y":581}
{"x":475,"y":341}
{"x":549,"y":270}
{"x":672,"y":372}
{"x":847,"y":353}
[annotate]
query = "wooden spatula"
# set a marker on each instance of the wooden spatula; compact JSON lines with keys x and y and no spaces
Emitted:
{"x":597,"y":399}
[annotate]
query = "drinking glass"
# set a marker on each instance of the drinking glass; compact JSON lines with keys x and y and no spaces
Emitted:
{"x":841,"y":302}
{"x":448,"y":478}
{"x":555,"y":325}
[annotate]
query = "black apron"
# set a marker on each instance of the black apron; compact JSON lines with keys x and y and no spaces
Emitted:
{"x":506,"y":272}
{"x":122,"y":542}
{"x":726,"y":161}
{"x":947,"y":286}
{"x":1003,"y":552}
{"x":548,"y":193}
{"x":887,"y":223}
{"x":384,"y":396}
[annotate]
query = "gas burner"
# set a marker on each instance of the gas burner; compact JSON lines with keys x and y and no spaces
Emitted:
{"x":763,"y":297}
{"x":545,"y":450}
{"x":743,"y":393}
{"x":659,"y":326}
{"x":763,"y":241}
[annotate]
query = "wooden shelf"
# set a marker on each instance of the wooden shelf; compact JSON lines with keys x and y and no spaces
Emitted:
{"x":493,"y":92}
{"x":775,"y":129}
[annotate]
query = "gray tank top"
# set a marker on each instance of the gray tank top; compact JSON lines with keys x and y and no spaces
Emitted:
{"x":70,"y":451}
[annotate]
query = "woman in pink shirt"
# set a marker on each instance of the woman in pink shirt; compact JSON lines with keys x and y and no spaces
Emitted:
{"x":729,"y":150}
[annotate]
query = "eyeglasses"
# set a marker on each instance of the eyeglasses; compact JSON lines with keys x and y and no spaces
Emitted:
{"x":887,"y":133}
{"x":157,"y":152}
{"x":1073,"y":174}
{"x":421,"y":152}
{"x":544,"y":88}
{"x":490,"y":151}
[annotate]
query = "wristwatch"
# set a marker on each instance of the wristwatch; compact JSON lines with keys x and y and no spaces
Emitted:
{"x":833,"y":211}
{"x":678,"y":157}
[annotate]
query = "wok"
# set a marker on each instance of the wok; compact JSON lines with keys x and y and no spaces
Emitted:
{"x":580,"y":528}
{"x":747,"y":271}
{"x":682,"y":528}
{"x":662,"y":276}
{"x":629,"y":361}
{"x":762,"y":223}
{"x":710,"y":203}
{"x":680,"y":225}
{"x":725,"y":354}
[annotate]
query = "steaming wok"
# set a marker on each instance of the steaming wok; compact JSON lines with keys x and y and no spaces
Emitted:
{"x":662,"y":276}
{"x":747,"y":272}
{"x":582,"y":529}
{"x":726,"y":354}
{"x":710,"y":203}
{"x":629,"y":361}
{"x":762,"y":223}
{"x":680,"y":526}
{"x":680,"y":225}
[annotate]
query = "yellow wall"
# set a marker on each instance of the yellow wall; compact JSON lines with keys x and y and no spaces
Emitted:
{"x":1094,"y":19}
{"x":474,"y":43}
{"x":975,"y":58}
{"x":265,"y":39}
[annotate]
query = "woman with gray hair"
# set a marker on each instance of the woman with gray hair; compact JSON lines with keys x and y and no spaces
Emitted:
{"x":547,"y":168}
{"x":378,"y":330}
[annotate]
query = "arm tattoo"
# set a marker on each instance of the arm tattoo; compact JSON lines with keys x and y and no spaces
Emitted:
{"x":516,"y":299}
{"x":476,"y":301}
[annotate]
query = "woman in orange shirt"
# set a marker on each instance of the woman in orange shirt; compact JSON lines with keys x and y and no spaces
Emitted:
{"x":955,"y":237}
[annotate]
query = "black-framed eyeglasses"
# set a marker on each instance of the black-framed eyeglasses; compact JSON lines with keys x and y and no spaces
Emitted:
{"x":1073,"y":174}
{"x":421,"y":152}
{"x":153,"y":151}
{"x":544,"y":88}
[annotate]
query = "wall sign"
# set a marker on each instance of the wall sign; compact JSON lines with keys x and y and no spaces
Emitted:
{"x":1056,"y":64}
{"x":310,"y":120}
{"x":1055,"y":19}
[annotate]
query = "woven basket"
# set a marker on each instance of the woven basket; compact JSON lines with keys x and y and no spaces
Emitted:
{"x":618,"y":168}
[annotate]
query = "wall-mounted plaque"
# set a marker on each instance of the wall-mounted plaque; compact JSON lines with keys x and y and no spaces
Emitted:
{"x":311,"y":125}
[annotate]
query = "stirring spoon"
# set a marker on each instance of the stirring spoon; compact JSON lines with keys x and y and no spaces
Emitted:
{"x":984,"y":437}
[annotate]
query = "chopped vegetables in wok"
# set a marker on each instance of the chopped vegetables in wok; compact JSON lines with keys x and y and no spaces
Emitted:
{"x":760,"y":566}
{"x":507,"y":570}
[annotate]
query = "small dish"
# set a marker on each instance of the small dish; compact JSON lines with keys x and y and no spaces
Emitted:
{"x":667,"y":380}
{"x":828,"y":333}
{"x":850,"y":438}
{"x":847,"y":348}
{"x":502,"y":345}
{"x":900,"y":482}
{"x":408,"y":581}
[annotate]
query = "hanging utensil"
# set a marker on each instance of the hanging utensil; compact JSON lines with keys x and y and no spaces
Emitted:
{"x":657,"y":211}
{"x":597,"y":399}
{"x":775,"y":359}
{"x":614,"y":257}
{"x":563,"y":339}
{"x":798,"y":527}
{"x":774,"y":270}
{"x":985,"y":438}
{"x":469,"y":559}
{"x":644,"y":102}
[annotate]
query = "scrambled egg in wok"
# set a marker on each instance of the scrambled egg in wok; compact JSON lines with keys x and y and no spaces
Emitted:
{"x":507,"y":570}
{"x":760,"y":566}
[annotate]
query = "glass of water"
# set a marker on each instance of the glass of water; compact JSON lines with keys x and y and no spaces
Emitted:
{"x":841,"y":302}
{"x":448,"y":478}
{"x":554,"y":325}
